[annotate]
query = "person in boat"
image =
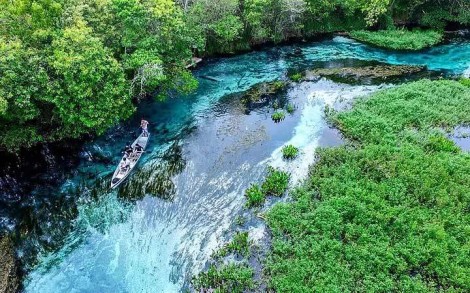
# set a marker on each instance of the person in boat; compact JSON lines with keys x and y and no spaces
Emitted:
{"x":143,"y":124}
{"x":124,"y":164}
{"x":128,"y":150}
{"x":138,"y":147}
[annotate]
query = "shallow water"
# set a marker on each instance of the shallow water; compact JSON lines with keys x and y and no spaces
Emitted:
{"x":164,"y":223}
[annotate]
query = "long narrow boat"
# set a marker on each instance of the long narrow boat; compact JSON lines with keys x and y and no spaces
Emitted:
{"x":121,"y":173}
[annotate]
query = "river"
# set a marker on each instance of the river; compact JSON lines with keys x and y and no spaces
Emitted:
{"x":162,"y":226}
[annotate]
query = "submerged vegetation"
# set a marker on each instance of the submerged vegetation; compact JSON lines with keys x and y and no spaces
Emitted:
{"x":69,"y":68}
{"x":226,"y":278}
{"x":290,"y":152}
{"x":400,"y":39}
{"x":388,"y":213}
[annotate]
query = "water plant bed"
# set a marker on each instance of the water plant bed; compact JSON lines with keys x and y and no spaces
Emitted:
{"x":400,"y":39}
{"x":353,"y":226}
{"x":366,"y":74}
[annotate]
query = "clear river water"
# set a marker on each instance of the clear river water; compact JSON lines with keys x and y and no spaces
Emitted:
{"x":158,"y":229}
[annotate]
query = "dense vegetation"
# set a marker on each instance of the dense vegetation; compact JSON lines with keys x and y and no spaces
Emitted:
{"x":276,"y":183}
{"x":400,"y":39}
{"x":390,"y":211}
{"x":72,"y":67}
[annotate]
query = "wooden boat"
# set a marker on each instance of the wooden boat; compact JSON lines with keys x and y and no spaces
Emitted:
{"x":129,"y":161}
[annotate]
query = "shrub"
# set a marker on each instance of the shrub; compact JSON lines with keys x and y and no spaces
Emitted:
{"x":276,"y":183}
{"x":278,"y":116}
{"x":465,"y":81}
{"x":399,"y":39}
{"x":290,"y":152}
{"x":290,"y":108}
{"x":255,"y":196}
{"x":227,"y":278}
{"x":296,"y":77}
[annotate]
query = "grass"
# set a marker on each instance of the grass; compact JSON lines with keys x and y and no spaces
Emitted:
{"x":290,"y":152}
{"x":388,"y":213}
{"x":234,"y":278}
{"x":399,"y":39}
{"x":276,"y":182}
{"x":278,"y":116}
{"x":255,"y":196}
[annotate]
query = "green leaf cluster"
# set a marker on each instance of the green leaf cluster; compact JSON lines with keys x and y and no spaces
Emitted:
{"x":290,"y":152}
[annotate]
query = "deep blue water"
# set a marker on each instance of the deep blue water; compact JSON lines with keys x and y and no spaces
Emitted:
{"x":174,"y":211}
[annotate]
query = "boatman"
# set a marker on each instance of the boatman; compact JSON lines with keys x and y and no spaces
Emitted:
{"x":143,"y":125}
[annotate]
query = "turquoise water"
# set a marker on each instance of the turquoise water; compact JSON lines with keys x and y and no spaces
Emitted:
{"x":174,"y":211}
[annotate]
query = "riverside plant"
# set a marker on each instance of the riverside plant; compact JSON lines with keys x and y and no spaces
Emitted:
{"x":362,"y":203}
{"x":290,"y":108}
{"x":255,"y":196}
{"x":236,"y":278}
{"x":296,"y":77}
{"x":290,"y":152}
{"x":240,"y":245}
{"x":278,"y":116}
{"x":276,"y":182}
{"x":400,"y":39}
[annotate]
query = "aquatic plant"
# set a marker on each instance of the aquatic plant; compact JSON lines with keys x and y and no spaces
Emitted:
{"x":254,"y":195}
{"x":240,"y":220}
{"x":290,"y":152}
{"x":236,"y":278}
{"x":276,"y":182}
{"x":296,"y":77}
{"x":399,"y":39}
{"x":278,"y":116}
{"x":290,"y":108}
{"x":465,"y":81}
{"x":377,"y":213}
{"x":239,"y":245}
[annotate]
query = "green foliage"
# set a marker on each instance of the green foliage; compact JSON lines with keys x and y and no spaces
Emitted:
{"x":239,"y":245}
{"x":296,"y":77}
{"x":290,"y":152}
{"x":278,"y":116}
{"x":400,"y":39}
{"x":290,"y":108}
{"x":255,"y":196}
{"x":276,"y":182}
{"x":465,"y":81}
{"x":68,"y":68}
{"x":391,"y":213}
{"x":227,"y":278}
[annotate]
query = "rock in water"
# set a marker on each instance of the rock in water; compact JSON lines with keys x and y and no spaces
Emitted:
{"x":9,"y":279}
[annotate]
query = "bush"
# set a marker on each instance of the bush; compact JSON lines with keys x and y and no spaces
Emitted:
{"x":399,"y":39}
{"x":276,"y":183}
{"x":278,"y":116}
{"x":227,"y":278}
{"x":296,"y":77}
{"x":465,"y":81}
{"x":290,"y":108}
{"x":290,"y":152}
{"x":255,"y":196}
